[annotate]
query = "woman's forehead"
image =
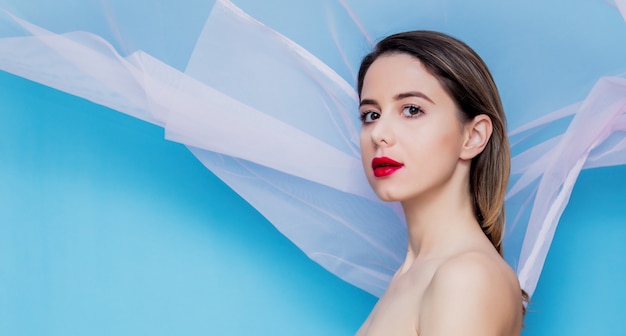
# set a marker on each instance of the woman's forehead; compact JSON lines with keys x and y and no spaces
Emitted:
{"x":396,"y":74}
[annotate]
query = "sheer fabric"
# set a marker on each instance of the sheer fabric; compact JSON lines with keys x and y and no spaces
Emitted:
{"x":279,"y":123}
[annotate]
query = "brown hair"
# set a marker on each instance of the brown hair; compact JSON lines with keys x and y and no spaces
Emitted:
{"x":466,"y":78}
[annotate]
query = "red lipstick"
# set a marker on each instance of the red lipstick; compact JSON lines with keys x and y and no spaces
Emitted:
{"x":384,"y":166}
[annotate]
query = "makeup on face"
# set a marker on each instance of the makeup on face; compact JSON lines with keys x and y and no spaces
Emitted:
{"x":384,"y":166}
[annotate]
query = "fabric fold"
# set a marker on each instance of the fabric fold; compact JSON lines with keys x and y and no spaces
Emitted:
{"x":280,"y":126}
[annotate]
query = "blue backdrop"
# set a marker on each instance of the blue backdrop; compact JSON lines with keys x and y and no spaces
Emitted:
{"x":107,"y":229}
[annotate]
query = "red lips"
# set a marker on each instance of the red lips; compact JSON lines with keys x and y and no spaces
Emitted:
{"x":384,"y":166}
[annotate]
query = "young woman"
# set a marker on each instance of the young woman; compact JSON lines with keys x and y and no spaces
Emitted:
{"x":434,"y":139}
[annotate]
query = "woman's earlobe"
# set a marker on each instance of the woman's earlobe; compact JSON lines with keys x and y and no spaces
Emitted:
{"x":477,"y":134}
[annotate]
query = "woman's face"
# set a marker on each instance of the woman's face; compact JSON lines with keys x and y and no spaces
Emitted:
{"x":411,"y":136}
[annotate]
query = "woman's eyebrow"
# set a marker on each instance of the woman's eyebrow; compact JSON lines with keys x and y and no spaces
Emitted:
{"x":413,"y":94}
{"x":398,"y":97}
{"x":368,"y":102}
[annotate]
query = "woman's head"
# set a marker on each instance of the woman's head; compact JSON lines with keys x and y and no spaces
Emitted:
{"x":465,"y":78}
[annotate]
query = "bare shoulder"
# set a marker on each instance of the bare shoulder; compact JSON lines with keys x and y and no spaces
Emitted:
{"x":473,"y":293}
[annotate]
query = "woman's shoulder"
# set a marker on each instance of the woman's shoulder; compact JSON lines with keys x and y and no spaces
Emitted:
{"x":476,"y":267}
{"x":475,"y":289}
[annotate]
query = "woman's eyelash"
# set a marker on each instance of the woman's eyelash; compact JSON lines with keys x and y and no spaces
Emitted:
{"x":368,"y":116}
{"x":411,"y":111}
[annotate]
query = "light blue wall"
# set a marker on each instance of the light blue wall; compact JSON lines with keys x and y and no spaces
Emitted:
{"x":581,"y":290}
{"x":107,"y":229}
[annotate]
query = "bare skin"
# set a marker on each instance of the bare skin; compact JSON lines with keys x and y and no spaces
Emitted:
{"x":453,"y":281}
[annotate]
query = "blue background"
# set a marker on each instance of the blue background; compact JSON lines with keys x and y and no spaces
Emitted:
{"x":107,"y":229}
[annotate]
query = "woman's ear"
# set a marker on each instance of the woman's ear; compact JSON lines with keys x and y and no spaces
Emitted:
{"x":477,"y":134}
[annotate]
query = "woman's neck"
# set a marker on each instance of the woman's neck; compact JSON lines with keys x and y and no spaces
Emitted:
{"x":437,"y":222}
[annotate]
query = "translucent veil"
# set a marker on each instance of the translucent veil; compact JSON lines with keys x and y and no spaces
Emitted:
{"x":276,"y":120}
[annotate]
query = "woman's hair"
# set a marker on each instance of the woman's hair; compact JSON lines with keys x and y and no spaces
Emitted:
{"x":465,"y":77}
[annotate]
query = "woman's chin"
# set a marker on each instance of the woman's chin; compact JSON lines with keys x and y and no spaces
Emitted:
{"x":388,"y":196}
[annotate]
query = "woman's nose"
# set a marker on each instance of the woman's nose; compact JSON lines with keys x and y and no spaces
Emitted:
{"x":382,"y":132}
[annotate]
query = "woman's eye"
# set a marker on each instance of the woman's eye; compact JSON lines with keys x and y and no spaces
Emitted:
{"x":369,"y":116}
{"x":411,"y":111}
